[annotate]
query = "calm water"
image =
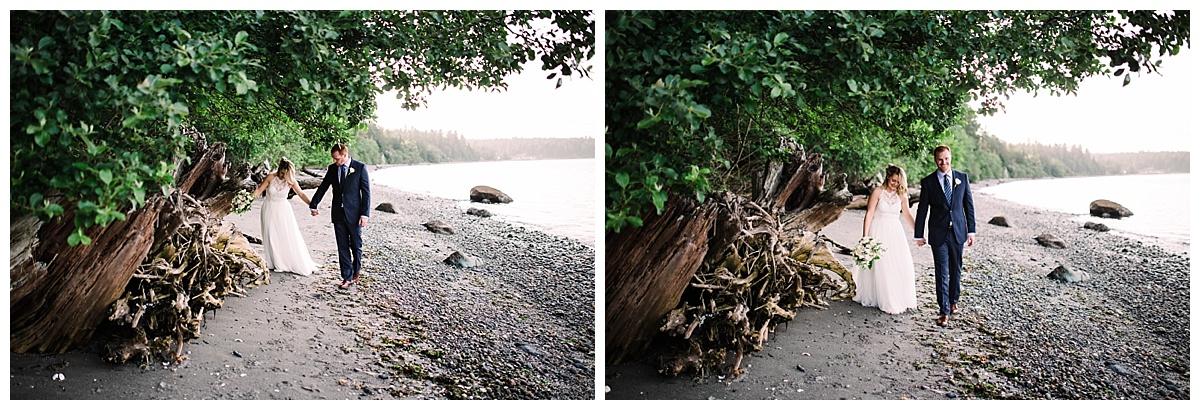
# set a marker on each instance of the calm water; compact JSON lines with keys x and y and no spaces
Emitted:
{"x":554,"y":196}
{"x":1161,"y":204}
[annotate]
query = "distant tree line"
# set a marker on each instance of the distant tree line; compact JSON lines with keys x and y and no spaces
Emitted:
{"x":535,"y":148}
{"x":377,"y":145}
{"x":1171,"y":162}
{"x":985,"y":156}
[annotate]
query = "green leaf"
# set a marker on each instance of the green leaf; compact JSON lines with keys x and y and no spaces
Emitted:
{"x":701,"y":111}
{"x":660,"y":199}
{"x":780,"y":38}
{"x":853,"y":85}
{"x":622,"y":179}
{"x":1127,"y":79}
{"x":106,"y":176}
{"x":240,"y":37}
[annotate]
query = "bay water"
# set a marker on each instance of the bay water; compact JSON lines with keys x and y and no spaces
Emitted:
{"x":557,"y":197}
{"x":1161,"y":203}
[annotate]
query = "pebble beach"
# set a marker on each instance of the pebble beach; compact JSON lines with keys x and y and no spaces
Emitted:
{"x":519,"y":325}
{"x":1124,"y":333}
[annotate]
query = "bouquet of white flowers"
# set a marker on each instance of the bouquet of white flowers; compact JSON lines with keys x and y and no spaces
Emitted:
{"x":867,"y":252}
{"x":242,"y":202}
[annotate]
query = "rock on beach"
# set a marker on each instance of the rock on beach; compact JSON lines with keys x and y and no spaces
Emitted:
{"x":1108,"y":209}
{"x":489,"y":195}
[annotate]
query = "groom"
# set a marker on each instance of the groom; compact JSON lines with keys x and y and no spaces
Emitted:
{"x":946,"y":198}
{"x":351,"y":208}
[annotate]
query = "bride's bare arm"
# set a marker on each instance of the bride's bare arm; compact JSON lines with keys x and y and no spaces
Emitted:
{"x":871,"y":203}
{"x":263,"y":186}
{"x":912,"y":222}
{"x":296,"y":187}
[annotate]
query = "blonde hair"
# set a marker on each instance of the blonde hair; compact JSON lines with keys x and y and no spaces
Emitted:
{"x":896,"y":170}
{"x":286,"y":169}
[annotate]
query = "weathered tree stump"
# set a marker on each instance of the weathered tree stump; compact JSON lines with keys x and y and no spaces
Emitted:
{"x":646,"y":271}
{"x":153,"y":274}
{"x":731,"y":268}
{"x":60,"y":293}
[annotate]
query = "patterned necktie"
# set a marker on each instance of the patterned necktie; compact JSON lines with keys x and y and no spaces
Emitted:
{"x":342,"y":174}
{"x":946,"y":187}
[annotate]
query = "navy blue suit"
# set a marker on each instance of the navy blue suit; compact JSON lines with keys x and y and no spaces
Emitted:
{"x":351,"y":200}
{"x":949,"y":224}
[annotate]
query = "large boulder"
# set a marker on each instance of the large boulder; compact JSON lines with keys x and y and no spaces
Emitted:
{"x":999,"y":220}
{"x":1108,"y":209}
{"x":1062,"y":273}
{"x":386,"y":207}
{"x":461,"y":260}
{"x":1050,"y":241}
{"x":489,"y":195}
{"x":436,"y":226}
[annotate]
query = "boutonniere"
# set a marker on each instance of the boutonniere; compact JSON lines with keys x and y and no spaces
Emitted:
{"x":957,"y":182}
{"x":351,"y":171}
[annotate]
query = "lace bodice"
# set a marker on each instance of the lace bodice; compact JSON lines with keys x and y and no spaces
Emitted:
{"x":277,"y":190}
{"x":889,"y":204}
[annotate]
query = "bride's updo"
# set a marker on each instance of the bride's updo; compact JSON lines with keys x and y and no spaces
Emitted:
{"x":285,"y":169}
{"x":902,"y":190}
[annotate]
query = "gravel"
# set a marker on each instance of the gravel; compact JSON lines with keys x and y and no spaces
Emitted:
{"x":1121,"y":334}
{"x":519,"y":325}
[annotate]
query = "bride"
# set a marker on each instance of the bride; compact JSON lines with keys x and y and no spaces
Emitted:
{"x":890,"y":283}
{"x":283,"y":246}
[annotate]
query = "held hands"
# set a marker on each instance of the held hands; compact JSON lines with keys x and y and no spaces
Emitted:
{"x":314,"y":212}
{"x":921,"y":242}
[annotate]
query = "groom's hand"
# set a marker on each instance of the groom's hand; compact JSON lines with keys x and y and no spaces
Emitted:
{"x":314,"y":212}
{"x":970,"y":240}
{"x":362,"y":222}
{"x":921,"y":242}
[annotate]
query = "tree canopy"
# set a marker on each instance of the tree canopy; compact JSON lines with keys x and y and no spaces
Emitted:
{"x":696,"y":98}
{"x":100,"y":99}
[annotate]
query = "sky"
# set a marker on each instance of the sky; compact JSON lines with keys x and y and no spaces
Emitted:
{"x":530,"y":108}
{"x":1152,"y":113}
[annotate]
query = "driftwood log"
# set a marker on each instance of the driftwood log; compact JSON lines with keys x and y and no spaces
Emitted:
{"x":647,"y":270}
{"x":763,"y":261}
{"x":148,"y":278}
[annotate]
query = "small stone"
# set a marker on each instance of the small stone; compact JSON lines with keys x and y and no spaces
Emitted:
{"x":951,"y":395}
{"x":800,"y":368}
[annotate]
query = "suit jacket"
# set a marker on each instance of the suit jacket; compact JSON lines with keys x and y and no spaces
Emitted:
{"x":960,"y":210}
{"x":353,"y":194}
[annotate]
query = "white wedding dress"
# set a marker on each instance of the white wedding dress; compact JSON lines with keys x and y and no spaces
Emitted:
{"x":283,"y":247}
{"x":891,"y":283}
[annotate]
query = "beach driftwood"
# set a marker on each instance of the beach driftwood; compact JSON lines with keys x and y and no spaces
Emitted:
{"x":147,"y":279}
{"x":719,"y":276}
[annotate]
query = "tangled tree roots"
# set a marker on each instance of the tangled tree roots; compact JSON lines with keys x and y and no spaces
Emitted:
{"x":185,"y":274}
{"x":743,"y":290}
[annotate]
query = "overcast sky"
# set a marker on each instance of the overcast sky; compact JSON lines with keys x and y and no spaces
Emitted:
{"x":1150,"y":114}
{"x":531,"y":108}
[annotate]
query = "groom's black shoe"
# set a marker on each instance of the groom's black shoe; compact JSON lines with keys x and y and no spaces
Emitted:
{"x":943,"y":321}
